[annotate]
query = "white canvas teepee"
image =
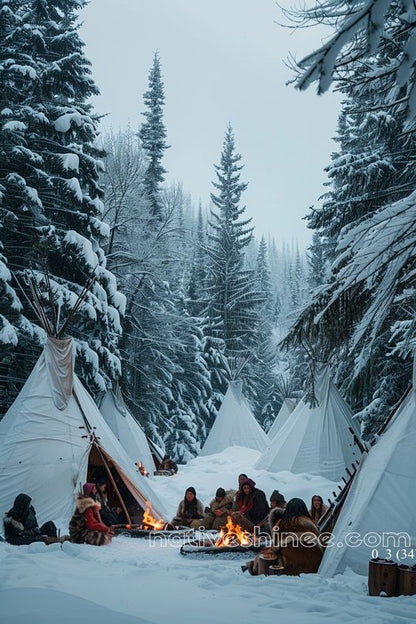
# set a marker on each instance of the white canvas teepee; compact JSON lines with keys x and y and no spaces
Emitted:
{"x":235,"y":424}
{"x":285,"y":411}
{"x":48,"y":436}
{"x":315,"y":440}
{"x":127,"y":430}
{"x":379,"y":511}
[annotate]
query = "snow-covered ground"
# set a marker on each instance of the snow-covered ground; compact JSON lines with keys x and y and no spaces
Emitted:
{"x":131,"y":581}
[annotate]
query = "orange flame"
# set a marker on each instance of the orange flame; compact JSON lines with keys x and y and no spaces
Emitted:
{"x":142,"y":469}
{"x":149,"y":522}
{"x":233,"y":535}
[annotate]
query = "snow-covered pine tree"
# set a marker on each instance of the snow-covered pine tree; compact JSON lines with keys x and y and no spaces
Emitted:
{"x":49,"y":168}
{"x":355,"y":53}
{"x":153,"y":136}
{"x":260,"y":367}
{"x":189,"y":410}
{"x":232,"y":291}
{"x":10,"y":306}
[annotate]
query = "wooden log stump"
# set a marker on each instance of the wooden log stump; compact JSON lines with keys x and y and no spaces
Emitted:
{"x":382,"y":577}
{"x":265,"y":560}
{"x":406,"y":580}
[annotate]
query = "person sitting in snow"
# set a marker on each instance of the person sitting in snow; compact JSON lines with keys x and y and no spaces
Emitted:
{"x":318,"y":508}
{"x":219,"y":508}
{"x":252,"y":506}
{"x":108,"y":515}
{"x":21,"y":525}
{"x":168,"y":465}
{"x":278,"y":506}
{"x":86,"y":526}
{"x":296,"y":543}
{"x":190,"y":510}
{"x":300,"y":549}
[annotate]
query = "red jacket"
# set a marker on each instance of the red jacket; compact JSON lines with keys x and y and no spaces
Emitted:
{"x":93,"y":520}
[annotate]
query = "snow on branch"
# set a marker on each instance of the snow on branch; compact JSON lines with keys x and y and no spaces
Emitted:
{"x":381,"y":259}
{"x":320,"y":65}
{"x":361,"y":29}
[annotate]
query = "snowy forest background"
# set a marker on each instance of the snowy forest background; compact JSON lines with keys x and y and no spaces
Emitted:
{"x":186,"y":297}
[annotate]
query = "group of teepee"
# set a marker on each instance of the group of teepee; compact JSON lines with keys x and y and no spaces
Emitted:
{"x":303,"y":439}
{"x":325,"y":440}
{"x":54,"y":438}
{"x":316,"y":439}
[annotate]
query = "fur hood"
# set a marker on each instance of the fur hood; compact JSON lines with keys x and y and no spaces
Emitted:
{"x":84,"y":502}
{"x":11,"y":522}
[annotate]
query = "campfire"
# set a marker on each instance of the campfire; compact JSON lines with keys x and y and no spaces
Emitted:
{"x":233,"y":535}
{"x":232,"y":542}
{"x":149,"y":523}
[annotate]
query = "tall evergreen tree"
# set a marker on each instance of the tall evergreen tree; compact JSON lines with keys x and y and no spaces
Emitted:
{"x":49,"y":172}
{"x":263,"y":360}
{"x":232,"y":290}
{"x":153,"y":136}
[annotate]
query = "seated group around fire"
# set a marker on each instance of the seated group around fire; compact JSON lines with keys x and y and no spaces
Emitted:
{"x":296,"y":550}
{"x":94,"y":519}
{"x":247,"y":507}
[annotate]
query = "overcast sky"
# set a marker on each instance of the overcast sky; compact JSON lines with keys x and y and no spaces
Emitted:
{"x":222,"y":61}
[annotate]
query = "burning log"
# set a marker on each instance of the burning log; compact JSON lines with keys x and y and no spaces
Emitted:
{"x":151,"y":523}
{"x":150,"y":526}
{"x":233,"y":535}
{"x":231,"y":541}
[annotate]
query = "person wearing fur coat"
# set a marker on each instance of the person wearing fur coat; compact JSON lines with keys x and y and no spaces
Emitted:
{"x":21,"y":525}
{"x":300,"y":549}
{"x":219,"y":508}
{"x":190,"y":510}
{"x":86,"y":526}
{"x":295,"y":542}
